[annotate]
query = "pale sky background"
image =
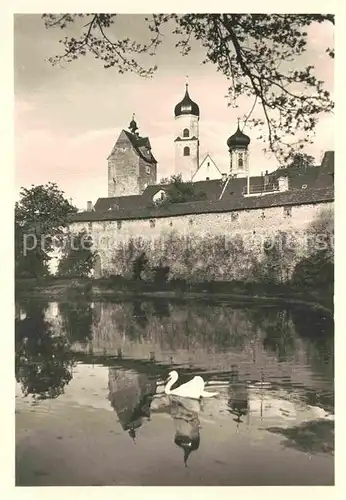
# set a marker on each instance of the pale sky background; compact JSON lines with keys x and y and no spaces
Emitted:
{"x":68,"y":117}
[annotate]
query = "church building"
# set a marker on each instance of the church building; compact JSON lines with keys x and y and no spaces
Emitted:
{"x":132,"y":167}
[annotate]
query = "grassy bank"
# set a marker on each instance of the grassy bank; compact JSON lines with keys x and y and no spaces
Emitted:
{"x":118,"y":288}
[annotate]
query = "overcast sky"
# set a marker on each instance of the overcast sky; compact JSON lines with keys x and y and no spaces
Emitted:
{"x":68,"y":117}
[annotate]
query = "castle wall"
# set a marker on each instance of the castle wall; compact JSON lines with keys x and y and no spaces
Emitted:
{"x":238,"y":245}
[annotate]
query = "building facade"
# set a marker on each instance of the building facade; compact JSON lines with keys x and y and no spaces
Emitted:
{"x":131,"y":164}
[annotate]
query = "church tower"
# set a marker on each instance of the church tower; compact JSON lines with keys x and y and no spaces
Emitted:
{"x":131,"y":164}
{"x":239,"y":155}
{"x":187,"y":137}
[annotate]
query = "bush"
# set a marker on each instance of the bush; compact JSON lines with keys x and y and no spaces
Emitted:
{"x":316,"y":270}
{"x":161,"y":274}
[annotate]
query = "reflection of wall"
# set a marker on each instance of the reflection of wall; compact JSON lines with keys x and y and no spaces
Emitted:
{"x":212,"y":337}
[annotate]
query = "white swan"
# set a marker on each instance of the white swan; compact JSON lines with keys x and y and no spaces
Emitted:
{"x":193,"y":389}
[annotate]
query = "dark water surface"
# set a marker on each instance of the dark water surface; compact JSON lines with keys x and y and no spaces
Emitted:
{"x":90,"y":407}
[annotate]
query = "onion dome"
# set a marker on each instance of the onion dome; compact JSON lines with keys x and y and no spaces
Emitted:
{"x":133,"y":125}
{"x":186,"y":106}
{"x":238,"y":140}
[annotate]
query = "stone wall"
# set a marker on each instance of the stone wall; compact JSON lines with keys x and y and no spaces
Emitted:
{"x":246,"y":245}
{"x":123,"y":172}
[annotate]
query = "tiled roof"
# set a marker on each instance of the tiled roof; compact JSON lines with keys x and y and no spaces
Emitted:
{"x":319,"y":176}
{"x":294,"y":197}
{"x":210,"y":189}
{"x":120,"y":203}
{"x":141,"y":145}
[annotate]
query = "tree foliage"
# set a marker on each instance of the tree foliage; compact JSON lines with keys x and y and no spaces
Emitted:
{"x":301,"y":160}
{"x":261,"y":55}
{"x":78,"y":257}
{"x":317,"y":268}
{"x":179,"y":191}
{"x":41,"y":217}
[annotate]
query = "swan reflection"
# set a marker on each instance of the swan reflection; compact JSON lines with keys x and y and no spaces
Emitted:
{"x":185,"y":413}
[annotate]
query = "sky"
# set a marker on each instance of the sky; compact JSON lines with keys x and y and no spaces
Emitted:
{"x":68,"y":117}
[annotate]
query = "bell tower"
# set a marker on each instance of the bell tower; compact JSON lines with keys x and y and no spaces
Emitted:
{"x":239,"y":155}
{"x":186,"y":114}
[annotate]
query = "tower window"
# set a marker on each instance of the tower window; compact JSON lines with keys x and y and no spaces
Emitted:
{"x":147,"y":170}
{"x":240,"y":160}
{"x":186,"y":151}
{"x":186,"y":132}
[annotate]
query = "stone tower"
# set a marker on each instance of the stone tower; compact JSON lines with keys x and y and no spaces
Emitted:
{"x":131,"y":164}
{"x":187,"y":137}
{"x":239,"y":155}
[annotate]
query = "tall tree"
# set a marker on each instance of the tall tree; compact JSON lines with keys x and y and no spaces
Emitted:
{"x":41,"y":217}
{"x":262,"y":56}
{"x":77,"y":258}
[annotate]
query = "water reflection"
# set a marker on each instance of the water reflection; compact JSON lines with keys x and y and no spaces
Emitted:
{"x":293,"y":345}
{"x":238,"y":401}
{"x":130,"y":395}
{"x":185,"y":413}
{"x":43,"y":363}
{"x":77,"y":320}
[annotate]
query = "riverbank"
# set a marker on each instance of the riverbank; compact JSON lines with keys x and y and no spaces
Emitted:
{"x":117,"y":288}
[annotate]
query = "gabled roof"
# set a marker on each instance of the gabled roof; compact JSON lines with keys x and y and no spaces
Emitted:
{"x":141,"y":146}
{"x":202,"y":164}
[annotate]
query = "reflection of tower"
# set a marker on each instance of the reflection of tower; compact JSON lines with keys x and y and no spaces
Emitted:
{"x":239,"y":155}
{"x":187,"y":137}
{"x":130,"y":394}
{"x":238,"y":402}
{"x":185,"y":415}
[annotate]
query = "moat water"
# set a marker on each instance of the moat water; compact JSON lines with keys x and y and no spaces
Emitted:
{"x":91,"y":411}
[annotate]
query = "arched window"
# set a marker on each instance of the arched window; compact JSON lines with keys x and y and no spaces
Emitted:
{"x":186,"y":132}
{"x":186,"y":151}
{"x":240,"y":160}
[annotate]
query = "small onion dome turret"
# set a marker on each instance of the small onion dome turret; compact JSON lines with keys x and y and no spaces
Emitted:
{"x":133,"y":125}
{"x":238,"y":140}
{"x":186,"y":106}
